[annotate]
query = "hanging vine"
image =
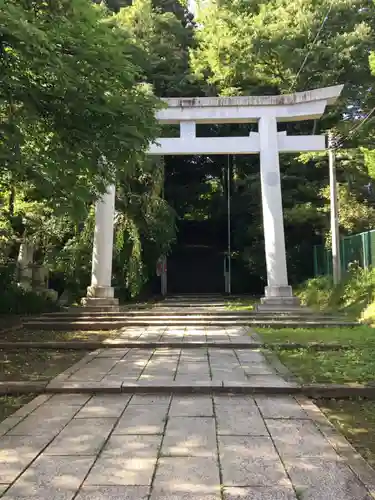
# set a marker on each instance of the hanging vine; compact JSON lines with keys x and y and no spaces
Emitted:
{"x":144,"y":225}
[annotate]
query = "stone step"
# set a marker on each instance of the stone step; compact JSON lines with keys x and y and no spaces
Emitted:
{"x":81,"y":312}
{"x":213,"y":311}
{"x":195,"y":302}
{"x":192,"y":304}
{"x":154,"y":312}
{"x":119,"y":343}
{"x":315,"y":391}
{"x":196,"y":296}
{"x":115,"y":324}
{"x":151,"y":315}
{"x":240,"y":342}
{"x":171,"y":321}
{"x":178,"y":316}
{"x":157,"y":306}
{"x":104,"y":309}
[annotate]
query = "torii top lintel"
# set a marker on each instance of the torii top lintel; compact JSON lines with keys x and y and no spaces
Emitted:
{"x":244,"y":109}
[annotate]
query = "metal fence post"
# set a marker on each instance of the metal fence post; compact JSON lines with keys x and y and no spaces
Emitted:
{"x":315,"y":251}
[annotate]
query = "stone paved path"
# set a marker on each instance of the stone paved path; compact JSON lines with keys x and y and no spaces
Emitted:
{"x":172,"y":447}
{"x":180,"y":365}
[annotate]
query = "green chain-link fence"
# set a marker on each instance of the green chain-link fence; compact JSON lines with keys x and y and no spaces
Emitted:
{"x":359,"y":248}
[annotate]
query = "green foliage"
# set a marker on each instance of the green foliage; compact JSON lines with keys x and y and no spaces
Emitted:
{"x":7,"y":273}
{"x":68,"y":98}
{"x":129,"y":253}
{"x":144,"y":230}
{"x":145,"y":226}
{"x":15,"y":299}
{"x":355,"y":336}
{"x":6,"y":234}
{"x":351,"y":296}
{"x":75,"y":112}
{"x":70,"y":255}
{"x":246,"y":46}
{"x":372,"y":62}
{"x":355,"y":215}
{"x":164,"y":41}
{"x":316,"y":292}
{"x":368,"y":314}
{"x":369,"y":155}
{"x":337,"y":367}
{"x":355,"y":363}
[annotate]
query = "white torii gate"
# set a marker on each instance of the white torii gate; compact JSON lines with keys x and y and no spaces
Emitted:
{"x":268,"y":142}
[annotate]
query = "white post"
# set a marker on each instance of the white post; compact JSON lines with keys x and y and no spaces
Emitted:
{"x":101,"y":292}
{"x":335,"y":232}
{"x":25,"y":262}
{"x":229,"y":277}
{"x":278,"y":292}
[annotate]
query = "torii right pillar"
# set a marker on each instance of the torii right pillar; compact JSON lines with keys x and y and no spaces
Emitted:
{"x":278,"y":292}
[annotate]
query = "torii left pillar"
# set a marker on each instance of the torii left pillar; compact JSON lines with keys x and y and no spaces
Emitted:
{"x":101,"y":293}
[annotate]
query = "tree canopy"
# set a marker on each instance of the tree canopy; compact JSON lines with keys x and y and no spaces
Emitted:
{"x":69,"y":98}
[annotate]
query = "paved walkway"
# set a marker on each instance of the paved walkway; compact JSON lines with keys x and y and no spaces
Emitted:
{"x":186,"y":366}
{"x":173,"y":447}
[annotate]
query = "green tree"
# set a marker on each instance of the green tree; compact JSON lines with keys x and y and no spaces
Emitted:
{"x":165,"y":41}
{"x":246,"y":46}
{"x":68,"y":98}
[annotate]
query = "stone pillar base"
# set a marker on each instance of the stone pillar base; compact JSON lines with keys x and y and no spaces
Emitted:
{"x":283,"y":291}
{"x":101,"y":304}
{"x":280,"y":299}
{"x":100,"y":292}
{"x":100,"y":297}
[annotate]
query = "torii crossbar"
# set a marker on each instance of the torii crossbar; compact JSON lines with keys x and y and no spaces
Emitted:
{"x":267,"y":142}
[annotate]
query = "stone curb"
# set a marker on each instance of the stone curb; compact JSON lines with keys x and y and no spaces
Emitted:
{"x":115,"y":344}
{"x":196,"y":313}
{"x":338,"y":391}
{"x":280,"y":369}
{"x":22,"y":412}
{"x":63,"y":345}
{"x":352,"y":458}
{"x":314,"y":346}
{"x":316,"y":391}
{"x":22,"y":387}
